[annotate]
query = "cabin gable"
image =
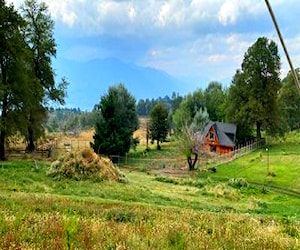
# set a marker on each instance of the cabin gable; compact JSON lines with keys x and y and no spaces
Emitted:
{"x":219,"y":137}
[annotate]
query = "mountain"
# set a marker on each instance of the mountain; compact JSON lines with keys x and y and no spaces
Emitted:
{"x":90,"y":80}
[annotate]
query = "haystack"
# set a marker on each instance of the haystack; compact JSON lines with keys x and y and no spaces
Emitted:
{"x":85,"y":164}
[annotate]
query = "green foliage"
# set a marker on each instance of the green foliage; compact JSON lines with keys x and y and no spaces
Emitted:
{"x":188,"y":108}
{"x":238,"y":183}
{"x":144,"y":106}
{"x":38,"y":35}
{"x":71,"y":227}
{"x":71,"y":120}
{"x":166,"y":180}
{"x":176,"y":240}
{"x":113,"y":133}
{"x":13,"y":71}
{"x":159,"y":124}
{"x":253,"y":94}
{"x":192,"y":139}
{"x":26,"y":74}
{"x":289,"y":101}
{"x":199,"y":121}
{"x":214,"y":101}
{"x":291,"y":228}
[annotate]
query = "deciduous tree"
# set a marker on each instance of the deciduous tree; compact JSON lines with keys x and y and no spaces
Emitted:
{"x":38,"y":34}
{"x":289,"y":102}
{"x":214,"y":101}
{"x":187,"y":109}
{"x":13,"y":72}
{"x":192,"y":139}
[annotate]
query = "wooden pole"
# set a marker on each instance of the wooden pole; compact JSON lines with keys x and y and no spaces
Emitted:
{"x":283,"y":45}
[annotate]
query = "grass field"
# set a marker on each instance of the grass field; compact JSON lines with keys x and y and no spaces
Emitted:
{"x":238,"y":207}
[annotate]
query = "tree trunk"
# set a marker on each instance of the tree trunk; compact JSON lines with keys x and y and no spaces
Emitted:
{"x":158,"y":146}
{"x":3,"y":116}
{"x":147,"y":137}
{"x":192,"y":162}
{"x":3,"y":128}
{"x":258,"y":130}
{"x":2,"y":145}
{"x":30,"y":146}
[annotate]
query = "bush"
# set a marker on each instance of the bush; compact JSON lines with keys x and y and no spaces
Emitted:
{"x":238,"y":183}
{"x":166,"y":180}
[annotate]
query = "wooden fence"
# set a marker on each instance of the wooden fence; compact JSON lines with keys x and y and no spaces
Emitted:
{"x":239,"y":151}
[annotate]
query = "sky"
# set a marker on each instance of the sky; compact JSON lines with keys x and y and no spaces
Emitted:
{"x":192,"y":40}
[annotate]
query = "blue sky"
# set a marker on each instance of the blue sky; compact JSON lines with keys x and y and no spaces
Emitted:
{"x":195,"y":40}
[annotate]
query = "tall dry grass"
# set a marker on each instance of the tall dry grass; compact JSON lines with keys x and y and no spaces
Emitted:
{"x":48,"y":222}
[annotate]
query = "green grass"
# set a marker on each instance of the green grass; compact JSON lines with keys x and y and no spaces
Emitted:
{"x":153,"y":211}
{"x":279,"y":166}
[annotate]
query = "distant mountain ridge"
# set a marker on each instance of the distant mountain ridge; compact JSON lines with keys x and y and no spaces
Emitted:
{"x":90,"y":80}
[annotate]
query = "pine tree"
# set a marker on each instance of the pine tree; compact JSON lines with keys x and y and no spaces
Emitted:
{"x":254,"y":90}
{"x":119,"y":119}
{"x":159,"y":123}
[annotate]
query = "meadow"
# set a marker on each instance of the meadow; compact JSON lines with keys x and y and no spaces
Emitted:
{"x":250,"y":203}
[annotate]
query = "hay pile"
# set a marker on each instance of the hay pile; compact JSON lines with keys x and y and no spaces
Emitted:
{"x":85,"y":164}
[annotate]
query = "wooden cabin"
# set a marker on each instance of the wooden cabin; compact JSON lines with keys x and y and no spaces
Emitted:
{"x":219,"y":137}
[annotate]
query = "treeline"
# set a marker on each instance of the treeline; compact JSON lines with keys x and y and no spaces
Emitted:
{"x":212,"y":98}
{"x":144,"y":106}
{"x":71,"y":120}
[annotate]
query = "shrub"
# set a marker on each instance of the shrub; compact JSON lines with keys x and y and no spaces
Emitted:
{"x":166,"y":180}
{"x":199,"y":183}
{"x":238,"y":183}
{"x":220,"y":191}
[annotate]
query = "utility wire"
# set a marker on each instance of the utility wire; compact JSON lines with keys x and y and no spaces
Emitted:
{"x":283,"y":45}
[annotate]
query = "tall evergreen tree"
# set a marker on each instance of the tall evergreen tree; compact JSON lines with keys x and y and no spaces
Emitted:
{"x":119,"y":119}
{"x":158,"y":124}
{"x":257,"y":83}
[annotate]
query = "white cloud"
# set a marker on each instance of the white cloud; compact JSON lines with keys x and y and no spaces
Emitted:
{"x":68,"y":16}
{"x":132,"y":14}
{"x":184,"y":38}
{"x":228,"y":13}
{"x":217,"y":58}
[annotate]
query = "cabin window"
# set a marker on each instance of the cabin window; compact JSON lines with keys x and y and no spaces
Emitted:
{"x":213,"y":148}
{"x":211,"y":136}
